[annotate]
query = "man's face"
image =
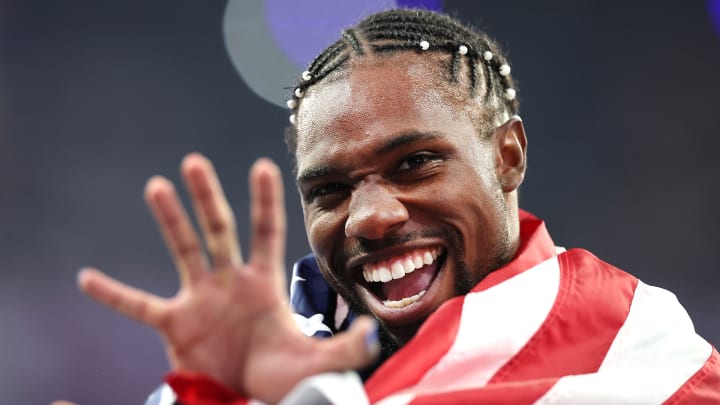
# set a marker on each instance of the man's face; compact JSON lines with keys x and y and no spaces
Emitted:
{"x":402,"y":201}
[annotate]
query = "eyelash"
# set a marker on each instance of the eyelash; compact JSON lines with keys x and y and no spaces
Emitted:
{"x":426,"y":157}
{"x":324,"y":190}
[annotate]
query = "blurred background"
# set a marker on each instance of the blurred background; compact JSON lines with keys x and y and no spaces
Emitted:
{"x":619,"y":101}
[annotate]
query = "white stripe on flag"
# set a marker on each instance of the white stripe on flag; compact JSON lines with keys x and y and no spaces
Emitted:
{"x":654,"y":353}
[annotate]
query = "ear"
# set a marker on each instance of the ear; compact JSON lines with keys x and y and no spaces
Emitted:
{"x":511,"y":154}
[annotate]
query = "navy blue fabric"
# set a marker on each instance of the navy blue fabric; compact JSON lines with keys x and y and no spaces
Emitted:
{"x":310,"y":294}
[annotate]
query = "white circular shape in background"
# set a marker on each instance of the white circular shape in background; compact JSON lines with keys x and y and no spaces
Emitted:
{"x":271,"y":41}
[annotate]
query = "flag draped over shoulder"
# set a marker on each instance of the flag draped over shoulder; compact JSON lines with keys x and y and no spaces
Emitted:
{"x":551,"y":327}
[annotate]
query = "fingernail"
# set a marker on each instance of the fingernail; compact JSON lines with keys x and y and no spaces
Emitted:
{"x":372,"y":339}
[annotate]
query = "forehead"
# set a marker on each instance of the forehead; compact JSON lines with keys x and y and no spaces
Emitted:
{"x":376,"y":98}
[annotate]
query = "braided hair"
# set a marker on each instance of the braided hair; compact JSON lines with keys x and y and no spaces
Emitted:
{"x":415,"y":30}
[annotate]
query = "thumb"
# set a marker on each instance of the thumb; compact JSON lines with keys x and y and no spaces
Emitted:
{"x":356,"y":348}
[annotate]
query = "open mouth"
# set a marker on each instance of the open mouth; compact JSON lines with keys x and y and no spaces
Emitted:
{"x":400,"y":281}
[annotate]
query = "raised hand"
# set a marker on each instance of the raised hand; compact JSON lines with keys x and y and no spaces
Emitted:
{"x":230,"y":320}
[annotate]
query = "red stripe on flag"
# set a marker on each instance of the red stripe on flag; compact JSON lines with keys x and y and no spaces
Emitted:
{"x":592,"y":304}
{"x":509,"y":393}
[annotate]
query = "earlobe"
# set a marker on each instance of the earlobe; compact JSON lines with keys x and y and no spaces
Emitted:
{"x":511,"y":154}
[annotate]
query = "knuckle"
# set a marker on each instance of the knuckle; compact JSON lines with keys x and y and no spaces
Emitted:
{"x":218,"y":227}
{"x":171,"y":221}
{"x":265,"y":229}
{"x":188,"y":249}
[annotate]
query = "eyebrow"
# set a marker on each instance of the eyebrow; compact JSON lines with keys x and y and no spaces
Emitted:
{"x":402,"y":139}
{"x":405,"y":138}
{"x":313,"y":173}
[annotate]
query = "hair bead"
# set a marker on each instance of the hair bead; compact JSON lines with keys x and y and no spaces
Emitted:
{"x":510,"y":93}
{"x":306,"y":75}
{"x":291,"y":104}
{"x":293,"y":119}
{"x":487,"y":55}
{"x":424,"y":45}
{"x":462,"y":50}
{"x":299,"y":92}
{"x":504,"y":69}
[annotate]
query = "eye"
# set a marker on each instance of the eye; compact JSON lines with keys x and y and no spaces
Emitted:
{"x":325,"y":191}
{"x":415,"y":161}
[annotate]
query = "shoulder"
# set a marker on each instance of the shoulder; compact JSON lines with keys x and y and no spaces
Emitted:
{"x":585,"y":272}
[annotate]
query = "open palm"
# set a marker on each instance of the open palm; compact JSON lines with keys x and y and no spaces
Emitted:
{"x":230,"y":320}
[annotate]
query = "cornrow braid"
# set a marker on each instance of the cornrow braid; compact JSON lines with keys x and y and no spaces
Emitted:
{"x":329,"y":53}
{"x":410,"y":30}
{"x":349,"y":36}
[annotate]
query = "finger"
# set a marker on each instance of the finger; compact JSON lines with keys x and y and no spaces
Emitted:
{"x":175,"y":226}
{"x":213,"y":211}
{"x":131,"y":302}
{"x":354,"y":349}
{"x":267,"y":213}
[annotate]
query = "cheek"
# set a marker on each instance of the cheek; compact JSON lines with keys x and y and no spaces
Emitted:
{"x":484,"y":168}
{"x":470,"y":204}
{"x":322,"y":231}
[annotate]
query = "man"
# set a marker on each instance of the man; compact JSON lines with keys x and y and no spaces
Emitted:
{"x":409,"y":154}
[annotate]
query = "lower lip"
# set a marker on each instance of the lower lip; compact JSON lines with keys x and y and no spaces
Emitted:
{"x":412,"y":313}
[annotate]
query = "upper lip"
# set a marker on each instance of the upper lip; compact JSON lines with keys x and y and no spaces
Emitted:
{"x":354,"y":264}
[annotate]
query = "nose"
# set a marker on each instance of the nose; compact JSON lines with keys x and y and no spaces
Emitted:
{"x":374,"y":211}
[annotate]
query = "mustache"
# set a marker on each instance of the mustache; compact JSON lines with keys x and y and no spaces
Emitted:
{"x":365,"y":246}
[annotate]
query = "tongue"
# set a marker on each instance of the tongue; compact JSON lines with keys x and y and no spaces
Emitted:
{"x":411,"y":284}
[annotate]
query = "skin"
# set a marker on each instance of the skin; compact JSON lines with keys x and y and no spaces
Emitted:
{"x":390,"y":159}
{"x":230,"y":319}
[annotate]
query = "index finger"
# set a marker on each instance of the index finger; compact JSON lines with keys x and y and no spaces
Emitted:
{"x":267,"y":212}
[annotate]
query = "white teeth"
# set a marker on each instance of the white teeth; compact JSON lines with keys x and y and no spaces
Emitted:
{"x":404,"y":302}
{"x":398,"y":271}
{"x":427,"y":258}
{"x":397,"y":268}
{"x":409,"y":266}
{"x":418,"y":261}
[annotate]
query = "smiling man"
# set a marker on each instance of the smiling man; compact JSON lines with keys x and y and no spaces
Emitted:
{"x":409,"y":154}
{"x":409,"y":198}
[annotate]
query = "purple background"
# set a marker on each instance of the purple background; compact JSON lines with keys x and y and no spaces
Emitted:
{"x":619,"y":102}
{"x":302,"y":29}
{"x":714,"y":8}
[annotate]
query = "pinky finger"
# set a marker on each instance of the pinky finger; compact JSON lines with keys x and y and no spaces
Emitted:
{"x":134,"y":303}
